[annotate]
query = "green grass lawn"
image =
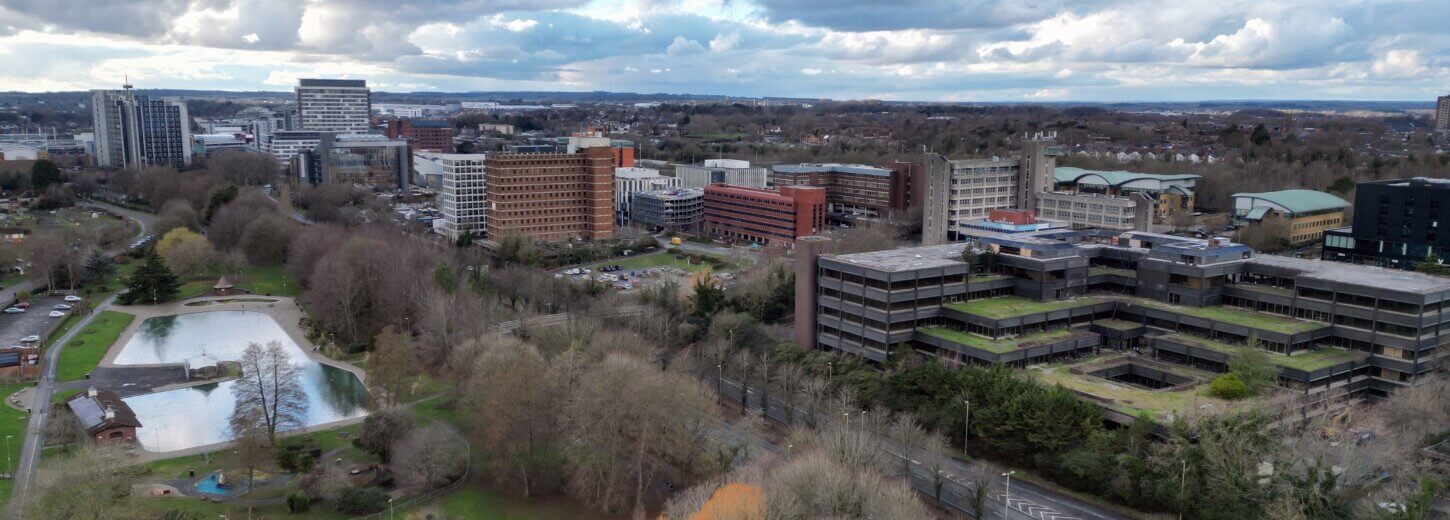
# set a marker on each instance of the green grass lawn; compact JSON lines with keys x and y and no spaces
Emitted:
{"x":479,"y":503}
{"x":1307,"y":360}
{"x":650,"y":260}
{"x":1003,"y":307}
{"x":1240,"y":317}
{"x":12,"y":424}
{"x":83,"y":352}
{"x":997,"y":346}
{"x":271,"y":280}
{"x":1118,"y":324}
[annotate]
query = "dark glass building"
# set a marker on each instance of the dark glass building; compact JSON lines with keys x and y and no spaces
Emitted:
{"x":1396,"y":224}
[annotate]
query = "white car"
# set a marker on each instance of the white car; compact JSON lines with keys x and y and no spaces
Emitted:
{"x":63,"y":307}
{"x":57,"y":314}
{"x":30,"y":339}
{"x":14,"y":310}
{"x":73,"y":298}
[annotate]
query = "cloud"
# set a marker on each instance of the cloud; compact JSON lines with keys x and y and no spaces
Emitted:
{"x":875,"y":15}
{"x":1399,"y":63}
{"x":725,"y":42}
{"x":1048,"y":93}
{"x":682,"y":47}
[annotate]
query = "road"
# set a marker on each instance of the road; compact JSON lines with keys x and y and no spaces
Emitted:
{"x":40,"y":402}
{"x":1027,"y":502}
{"x":709,"y":249}
{"x":297,"y":216}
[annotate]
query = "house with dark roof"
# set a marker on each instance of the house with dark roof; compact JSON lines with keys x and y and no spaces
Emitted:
{"x":20,"y":361}
{"x":104,"y":415}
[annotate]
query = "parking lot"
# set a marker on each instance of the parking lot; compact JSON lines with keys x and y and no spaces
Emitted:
{"x":34,"y":321}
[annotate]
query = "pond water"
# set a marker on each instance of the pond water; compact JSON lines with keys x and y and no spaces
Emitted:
{"x":189,"y":417}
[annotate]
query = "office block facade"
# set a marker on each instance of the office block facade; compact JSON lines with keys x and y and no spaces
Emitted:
{"x":342,"y":106}
{"x":425,"y":135}
{"x":1442,"y":113}
{"x":551,"y":196}
{"x":1168,"y":195}
{"x":957,"y":190}
{"x":1396,"y":224}
{"x":1064,"y":295}
{"x":763,"y":216}
{"x":462,"y":190}
{"x":679,"y":209}
{"x":1301,"y":215}
{"x":372,"y":161}
{"x":629,"y":181}
{"x":722,"y":171}
{"x":852,"y":190}
{"x":134,"y":131}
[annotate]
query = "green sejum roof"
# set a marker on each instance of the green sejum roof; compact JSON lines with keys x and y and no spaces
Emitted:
{"x":1299,"y":201}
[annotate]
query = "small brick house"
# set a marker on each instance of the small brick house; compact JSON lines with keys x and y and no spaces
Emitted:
{"x":106,"y":418}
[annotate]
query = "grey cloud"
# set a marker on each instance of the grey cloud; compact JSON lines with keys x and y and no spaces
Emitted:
{"x":875,"y":15}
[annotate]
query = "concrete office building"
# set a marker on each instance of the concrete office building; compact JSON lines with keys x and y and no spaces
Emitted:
{"x":1094,"y":210}
{"x":629,"y":181}
{"x":722,"y":171}
{"x":425,"y":135}
{"x":852,"y":190}
{"x":285,"y":145}
{"x":211,"y":144}
{"x":135,"y":131}
{"x":1090,"y":299}
{"x":551,"y":196}
{"x":342,"y":106}
{"x":369,"y":160}
{"x":1442,"y":113}
{"x":1396,"y":224}
{"x":761,"y":216}
{"x":679,"y":209}
{"x":957,"y":190}
{"x":1169,"y":195}
{"x":1303,"y":215}
{"x":462,"y":190}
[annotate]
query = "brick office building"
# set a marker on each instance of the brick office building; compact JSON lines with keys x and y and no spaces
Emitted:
{"x":764,"y":216}
{"x":550,"y":196}
{"x":425,"y":135}
{"x":852,"y":190}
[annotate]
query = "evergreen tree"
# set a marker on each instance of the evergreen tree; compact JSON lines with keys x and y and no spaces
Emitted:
{"x":152,"y":282}
{"x":44,"y":173}
{"x":99,"y":267}
{"x":1260,"y":136}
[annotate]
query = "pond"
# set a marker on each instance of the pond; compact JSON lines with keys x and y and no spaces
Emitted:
{"x":196,"y":416}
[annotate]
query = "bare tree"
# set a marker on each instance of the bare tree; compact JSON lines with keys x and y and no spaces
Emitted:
{"x":84,"y":486}
{"x":393,"y":367}
{"x":265,"y":240}
{"x":935,"y":457}
{"x":789,"y":381}
{"x":512,"y":399}
{"x":814,"y":391}
{"x":269,"y":390}
{"x":46,"y":251}
{"x":254,"y":448}
{"x":244,"y":168}
{"x":186,"y":252}
{"x":909,"y":437}
{"x":429,"y":457}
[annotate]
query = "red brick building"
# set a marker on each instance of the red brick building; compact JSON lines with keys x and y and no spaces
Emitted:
{"x":20,"y":361}
{"x":424,"y":134}
{"x":550,"y":196}
{"x":764,"y":216}
{"x":104,"y":415}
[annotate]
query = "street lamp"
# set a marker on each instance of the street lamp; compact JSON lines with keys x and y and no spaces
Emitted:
{"x":966,"y":423}
{"x":1007,"y":496}
{"x":1182,"y":480}
{"x":7,"y":456}
{"x":390,"y":508}
{"x":719,"y":375}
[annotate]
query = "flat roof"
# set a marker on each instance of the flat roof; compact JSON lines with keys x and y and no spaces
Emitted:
{"x":1298,"y":201}
{"x":1069,"y":174}
{"x":906,"y":259}
{"x":830,"y":167}
{"x":1354,"y":274}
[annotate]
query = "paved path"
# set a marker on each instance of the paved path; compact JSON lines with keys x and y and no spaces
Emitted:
{"x":287,"y":208}
{"x":1027,"y":502}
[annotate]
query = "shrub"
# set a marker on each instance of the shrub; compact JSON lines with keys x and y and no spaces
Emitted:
{"x":22,"y":295}
{"x":1228,"y":386}
{"x":297,"y":502}
{"x":295,"y":459}
{"x":362,"y":501}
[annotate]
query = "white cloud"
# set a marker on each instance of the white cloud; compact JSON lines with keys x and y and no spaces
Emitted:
{"x":1063,"y":74}
{"x":682,"y":47}
{"x":725,"y":42}
{"x":1399,"y":63}
{"x":810,"y":71}
{"x":251,"y":38}
{"x":1048,"y":93}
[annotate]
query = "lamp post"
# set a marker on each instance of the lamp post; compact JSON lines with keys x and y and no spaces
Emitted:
{"x":390,"y":508}
{"x":966,"y":423}
{"x":1007,"y":495}
{"x":7,"y":455}
{"x":1182,"y":481}
{"x":830,"y":371}
{"x":719,"y":375}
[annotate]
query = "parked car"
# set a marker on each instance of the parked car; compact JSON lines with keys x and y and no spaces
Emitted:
{"x":63,"y":307}
{"x":57,"y":314}
{"x":30,"y":339}
{"x":22,"y":305}
{"x":73,"y":298}
{"x":14,"y":310}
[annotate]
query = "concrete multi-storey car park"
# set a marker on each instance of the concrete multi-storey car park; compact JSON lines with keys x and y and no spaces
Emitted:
{"x":1156,"y":302}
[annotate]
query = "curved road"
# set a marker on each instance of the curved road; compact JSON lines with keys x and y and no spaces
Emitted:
{"x":40,"y":402}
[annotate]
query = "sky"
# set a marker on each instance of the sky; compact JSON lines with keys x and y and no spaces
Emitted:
{"x":914,"y":50}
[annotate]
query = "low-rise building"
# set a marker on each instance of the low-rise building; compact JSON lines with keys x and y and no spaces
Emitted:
{"x":367,"y":160}
{"x":722,"y":171}
{"x":425,"y":135}
{"x":763,"y":216}
{"x":852,"y":190}
{"x":1396,"y":224}
{"x":1330,"y":328}
{"x":629,"y":181}
{"x":1010,"y":222}
{"x":1168,"y":194}
{"x":1303,"y":215}
{"x":1097,"y":210}
{"x":104,"y":415}
{"x":679,"y":209}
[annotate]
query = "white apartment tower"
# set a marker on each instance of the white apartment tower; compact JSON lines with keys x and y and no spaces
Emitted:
{"x":134,"y":131}
{"x":461,"y":190}
{"x":342,"y":106}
